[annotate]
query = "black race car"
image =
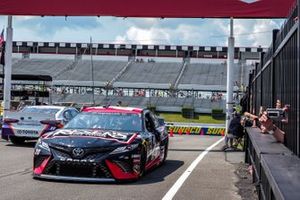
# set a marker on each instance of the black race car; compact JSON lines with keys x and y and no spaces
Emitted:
{"x":102,"y":144}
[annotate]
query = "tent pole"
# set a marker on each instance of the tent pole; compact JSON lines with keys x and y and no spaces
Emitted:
{"x":298,"y":81}
{"x":230,"y":71}
{"x":8,"y":66}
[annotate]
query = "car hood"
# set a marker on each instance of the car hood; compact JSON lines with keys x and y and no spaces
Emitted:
{"x":89,"y":138}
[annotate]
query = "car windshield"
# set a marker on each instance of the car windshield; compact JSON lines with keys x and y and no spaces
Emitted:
{"x":40,"y":110}
{"x":106,"y":121}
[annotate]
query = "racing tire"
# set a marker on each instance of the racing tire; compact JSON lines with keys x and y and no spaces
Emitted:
{"x":143,"y":162}
{"x":17,"y":140}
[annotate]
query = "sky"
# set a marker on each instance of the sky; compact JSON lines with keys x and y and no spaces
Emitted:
{"x":198,"y":32}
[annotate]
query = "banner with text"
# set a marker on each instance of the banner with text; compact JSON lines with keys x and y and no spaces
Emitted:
{"x":196,"y":130}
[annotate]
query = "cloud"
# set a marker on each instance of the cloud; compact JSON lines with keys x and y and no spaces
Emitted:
{"x":25,"y":18}
{"x":144,"y":36}
{"x":143,"y":22}
{"x":51,"y":25}
{"x":256,"y":32}
{"x":181,"y":34}
{"x":263,"y":27}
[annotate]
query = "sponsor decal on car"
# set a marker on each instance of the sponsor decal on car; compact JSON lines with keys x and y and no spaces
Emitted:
{"x":27,"y":132}
{"x":92,"y":133}
{"x":77,"y":160}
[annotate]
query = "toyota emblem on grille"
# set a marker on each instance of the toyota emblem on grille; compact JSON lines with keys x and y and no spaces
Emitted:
{"x":78,"y":152}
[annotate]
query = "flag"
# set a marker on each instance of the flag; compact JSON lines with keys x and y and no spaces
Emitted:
{"x":2,"y":38}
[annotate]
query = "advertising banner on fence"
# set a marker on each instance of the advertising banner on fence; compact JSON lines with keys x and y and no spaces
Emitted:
{"x":196,"y":130}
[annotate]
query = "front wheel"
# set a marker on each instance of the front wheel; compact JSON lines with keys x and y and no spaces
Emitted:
{"x":17,"y":140}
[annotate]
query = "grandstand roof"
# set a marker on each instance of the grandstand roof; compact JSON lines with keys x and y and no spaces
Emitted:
{"x":153,"y":8}
{"x":62,"y":48}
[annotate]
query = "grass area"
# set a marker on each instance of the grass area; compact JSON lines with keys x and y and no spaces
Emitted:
{"x":201,"y":118}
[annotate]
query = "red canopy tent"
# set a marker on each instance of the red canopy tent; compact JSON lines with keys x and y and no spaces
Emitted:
{"x":150,"y":8}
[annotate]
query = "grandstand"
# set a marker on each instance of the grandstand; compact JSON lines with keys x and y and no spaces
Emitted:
{"x":50,"y":67}
{"x":168,"y":86}
{"x":168,"y":77}
{"x":145,"y":75}
{"x":81,"y":73}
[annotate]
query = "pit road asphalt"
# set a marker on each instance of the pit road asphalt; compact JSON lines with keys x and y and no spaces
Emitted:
{"x":213,"y":177}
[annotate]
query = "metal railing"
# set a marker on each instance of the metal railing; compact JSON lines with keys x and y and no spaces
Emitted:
{"x":288,"y":25}
{"x":277,"y":77}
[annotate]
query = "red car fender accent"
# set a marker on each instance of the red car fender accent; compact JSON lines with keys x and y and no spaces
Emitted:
{"x":152,"y":163}
{"x":118,"y":173}
{"x":12,"y":129}
{"x":131,"y":139}
{"x":46,"y":127}
{"x":39,"y":170}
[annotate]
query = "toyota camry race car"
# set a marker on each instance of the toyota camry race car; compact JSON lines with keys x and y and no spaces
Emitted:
{"x":102,"y":144}
{"x":33,"y":121}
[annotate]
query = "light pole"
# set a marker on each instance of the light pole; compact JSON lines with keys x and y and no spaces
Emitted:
{"x":92,"y":70}
{"x":230,"y":63}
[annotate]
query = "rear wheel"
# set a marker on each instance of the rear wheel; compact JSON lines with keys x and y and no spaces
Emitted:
{"x":17,"y":140}
{"x":164,"y":149}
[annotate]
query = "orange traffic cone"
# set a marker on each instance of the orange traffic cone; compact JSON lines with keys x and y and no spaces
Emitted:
{"x":223,"y":132}
{"x":180,"y":131}
{"x":188,"y":132}
{"x":171,"y":133}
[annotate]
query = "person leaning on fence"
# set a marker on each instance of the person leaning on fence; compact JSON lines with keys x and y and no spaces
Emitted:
{"x":235,"y":130}
{"x":267,"y":125}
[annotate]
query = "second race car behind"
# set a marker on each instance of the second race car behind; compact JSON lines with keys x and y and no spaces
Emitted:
{"x":31,"y":122}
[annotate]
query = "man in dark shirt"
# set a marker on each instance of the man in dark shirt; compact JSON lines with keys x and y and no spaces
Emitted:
{"x":235,"y":130}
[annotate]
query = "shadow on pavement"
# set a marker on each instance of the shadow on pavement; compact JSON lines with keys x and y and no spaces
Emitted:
{"x":158,"y":174}
{"x":197,"y":150}
{"x":26,"y":145}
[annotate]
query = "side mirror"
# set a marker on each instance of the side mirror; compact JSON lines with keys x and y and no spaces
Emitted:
{"x":55,"y":123}
{"x":161,"y":121}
